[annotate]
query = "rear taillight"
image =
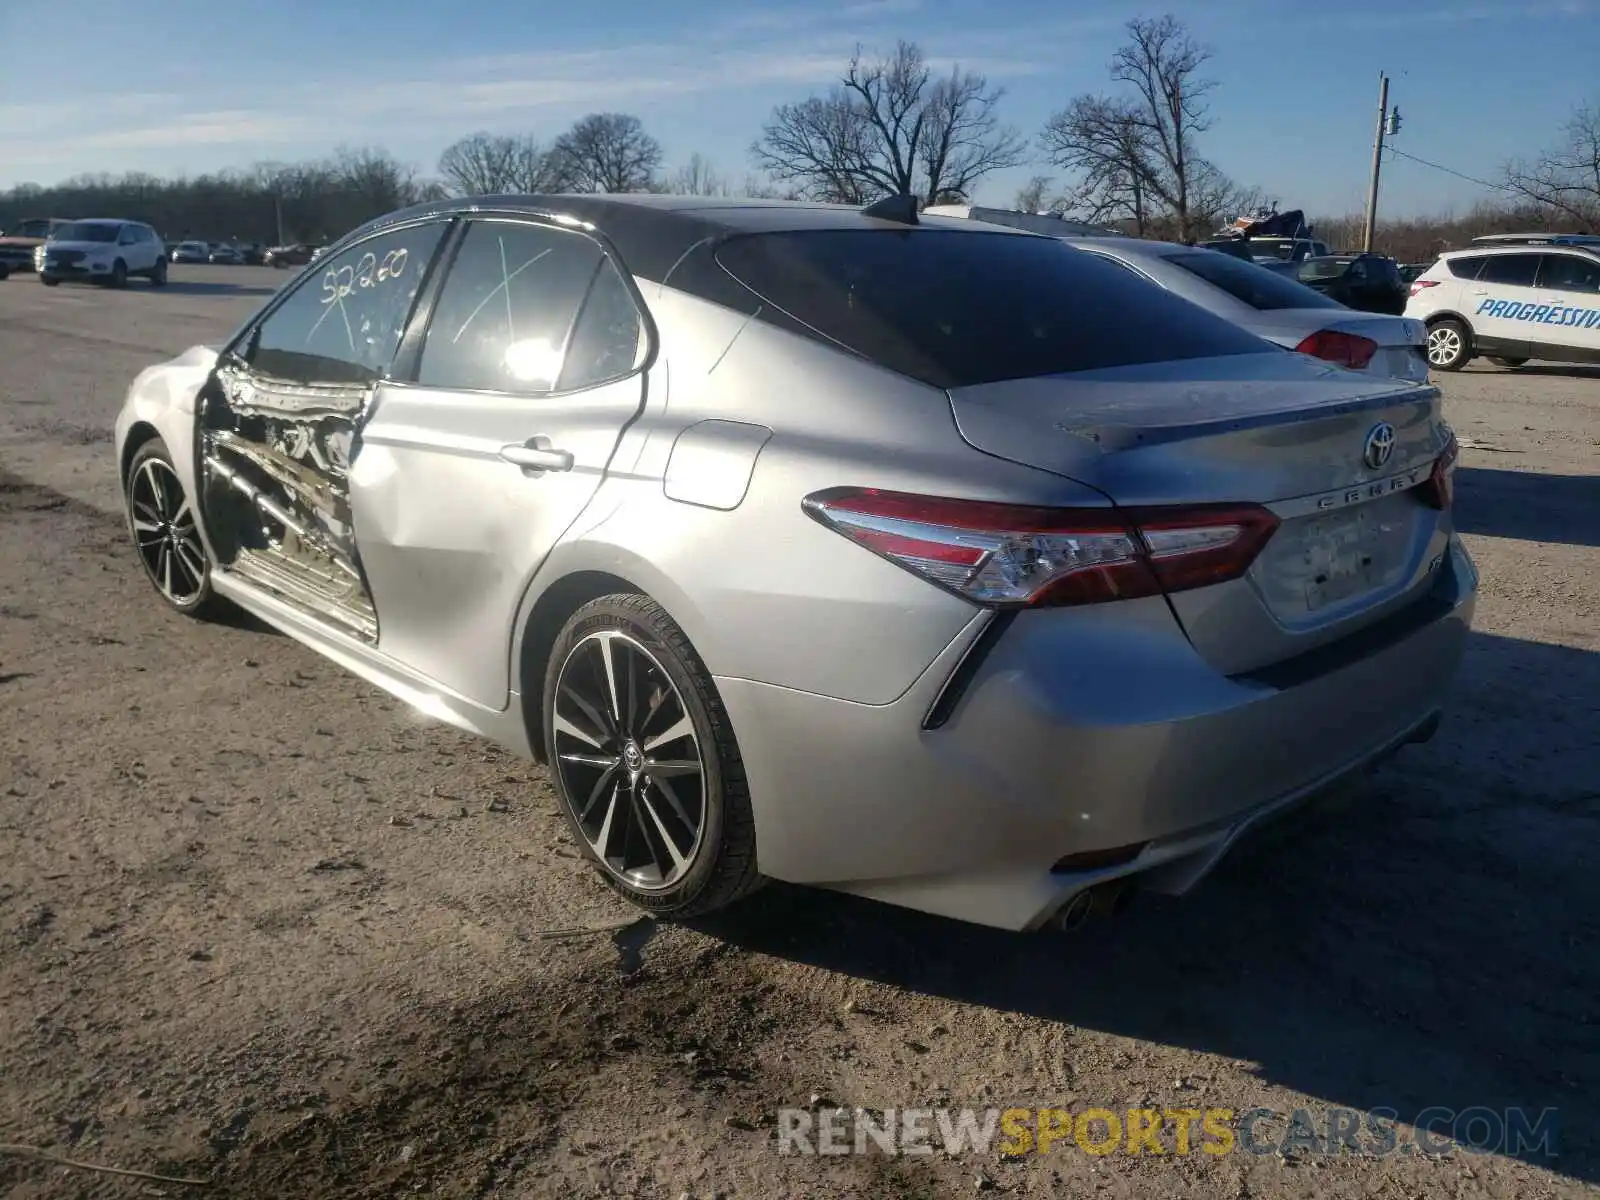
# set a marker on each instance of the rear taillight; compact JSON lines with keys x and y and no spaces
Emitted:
{"x":1418,"y":286}
{"x":1346,"y":349}
{"x":1007,"y":555}
{"x":1440,"y":490}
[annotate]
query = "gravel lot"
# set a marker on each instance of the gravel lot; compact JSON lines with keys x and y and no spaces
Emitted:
{"x":261,"y":925}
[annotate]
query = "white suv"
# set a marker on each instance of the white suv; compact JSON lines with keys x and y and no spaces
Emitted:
{"x":102,"y":251}
{"x":1510,"y":303}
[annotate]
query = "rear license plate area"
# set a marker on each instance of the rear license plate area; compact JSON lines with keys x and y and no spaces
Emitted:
{"x":1342,"y":558}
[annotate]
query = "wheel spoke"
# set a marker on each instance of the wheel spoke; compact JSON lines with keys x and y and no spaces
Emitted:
{"x":603,"y":838}
{"x":158,"y":487}
{"x":607,"y":778}
{"x":678,"y":859}
{"x":166,"y":568}
{"x":591,"y":712}
{"x":592,"y":760}
{"x":658,"y":768}
{"x":608,"y":660}
{"x":670,"y":795}
{"x":564,"y":724}
{"x":681,"y":728}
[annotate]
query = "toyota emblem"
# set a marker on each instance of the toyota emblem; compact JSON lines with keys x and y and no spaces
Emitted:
{"x":1380,"y":445}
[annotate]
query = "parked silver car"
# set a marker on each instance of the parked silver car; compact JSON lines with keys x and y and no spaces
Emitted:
{"x":936,"y":563}
{"x":1284,"y":311}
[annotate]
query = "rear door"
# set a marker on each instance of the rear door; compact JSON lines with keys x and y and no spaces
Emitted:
{"x":491,"y":439}
{"x":1566,"y":324}
{"x":1500,"y":302}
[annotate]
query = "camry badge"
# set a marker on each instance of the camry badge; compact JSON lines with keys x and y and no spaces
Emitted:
{"x":1380,"y":445}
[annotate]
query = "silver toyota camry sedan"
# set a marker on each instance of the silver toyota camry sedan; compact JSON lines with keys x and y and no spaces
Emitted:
{"x":942,"y":564}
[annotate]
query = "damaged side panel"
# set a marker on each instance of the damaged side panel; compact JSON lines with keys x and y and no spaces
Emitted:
{"x":276,"y":461}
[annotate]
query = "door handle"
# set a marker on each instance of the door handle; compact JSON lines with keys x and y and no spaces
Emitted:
{"x":537,"y":456}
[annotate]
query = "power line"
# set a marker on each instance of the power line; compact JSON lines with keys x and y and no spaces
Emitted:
{"x":1499,"y":187}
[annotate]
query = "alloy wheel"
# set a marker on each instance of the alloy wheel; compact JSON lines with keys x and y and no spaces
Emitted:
{"x":1444,"y":346}
{"x":164,"y":529}
{"x":629,"y":760}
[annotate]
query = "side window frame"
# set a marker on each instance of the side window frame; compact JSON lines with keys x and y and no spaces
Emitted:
{"x":1533,"y":279}
{"x":408,"y":360}
{"x":241,"y":345}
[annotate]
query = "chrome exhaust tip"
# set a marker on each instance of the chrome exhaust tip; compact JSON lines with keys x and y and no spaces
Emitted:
{"x":1075,"y":912}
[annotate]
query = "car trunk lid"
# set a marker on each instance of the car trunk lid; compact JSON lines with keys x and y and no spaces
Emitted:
{"x":1356,"y":539}
{"x":1402,"y":342}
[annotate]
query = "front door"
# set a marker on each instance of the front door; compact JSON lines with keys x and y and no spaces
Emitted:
{"x":1566,"y":325}
{"x":473,"y":466}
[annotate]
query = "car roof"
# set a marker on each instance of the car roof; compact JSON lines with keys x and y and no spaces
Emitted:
{"x":1524,"y":248}
{"x":1135,"y":247}
{"x":654,"y":233}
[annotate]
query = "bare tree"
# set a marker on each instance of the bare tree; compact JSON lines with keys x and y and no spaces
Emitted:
{"x":607,"y":152}
{"x":1565,"y":179}
{"x":759,"y":187}
{"x":1161,"y":65}
{"x":484,"y":164}
{"x":698,"y":177}
{"x":890,"y":127}
{"x":1033,"y":196}
{"x":1135,"y":153}
{"x":1103,"y":147}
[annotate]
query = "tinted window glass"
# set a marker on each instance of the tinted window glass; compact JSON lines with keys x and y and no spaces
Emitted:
{"x":507,"y":307}
{"x":1323,"y":268}
{"x":1261,"y":289}
{"x":958,"y":308}
{"x":1509,"y":270}
{"x":608,"y":338}
{"x":86,"y":231}
{"x":1468,"y":267}
{"x":1569,"y":273}
{"x":343,"y":324}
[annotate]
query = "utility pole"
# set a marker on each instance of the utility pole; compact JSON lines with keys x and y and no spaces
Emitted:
{"x":277,"y":213}
{"x":1370,"y":227}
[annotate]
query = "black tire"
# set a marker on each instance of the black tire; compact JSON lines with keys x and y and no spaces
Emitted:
{"x":5,"y":271}
{"x":1511,"y":364}
{"x":720,"y":865}
{"x":1449,"y":345}
{"x":48,"y":280}
{"x":158,"y":273}
{"x":119,"y":274}
{"x":181,"y":594}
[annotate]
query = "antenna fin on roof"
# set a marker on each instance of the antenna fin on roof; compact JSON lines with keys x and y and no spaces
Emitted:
{"x":900,"y":209}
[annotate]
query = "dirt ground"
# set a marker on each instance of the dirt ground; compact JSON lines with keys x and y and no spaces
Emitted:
{"x":262,"y":926}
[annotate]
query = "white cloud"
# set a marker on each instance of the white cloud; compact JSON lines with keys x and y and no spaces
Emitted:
{"x":294,"y":114}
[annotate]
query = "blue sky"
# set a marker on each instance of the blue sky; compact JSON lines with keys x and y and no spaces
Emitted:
{"x":198,"y":86}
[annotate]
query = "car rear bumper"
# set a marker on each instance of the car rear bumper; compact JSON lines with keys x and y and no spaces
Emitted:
{"x":1098,"y":730}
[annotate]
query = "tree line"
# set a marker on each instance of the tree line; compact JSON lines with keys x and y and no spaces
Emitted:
{"x":1131,"y":155}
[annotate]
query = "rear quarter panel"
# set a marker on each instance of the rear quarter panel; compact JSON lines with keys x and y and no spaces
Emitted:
{"x":765,"y":592}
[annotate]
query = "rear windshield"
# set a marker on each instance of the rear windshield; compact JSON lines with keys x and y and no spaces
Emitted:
{"x":1258,"y":287}
{"x":957,"y":308}
{"x":1323,"y":268}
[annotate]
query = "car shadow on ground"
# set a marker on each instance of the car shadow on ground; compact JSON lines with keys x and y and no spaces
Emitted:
{"x":196,"y":287}
{"x":1528,"y":505}
{"x":1546,"y":370}
{"x":1428,"y":942}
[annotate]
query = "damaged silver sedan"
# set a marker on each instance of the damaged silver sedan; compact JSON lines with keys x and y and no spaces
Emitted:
{"x":854,"y":548}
